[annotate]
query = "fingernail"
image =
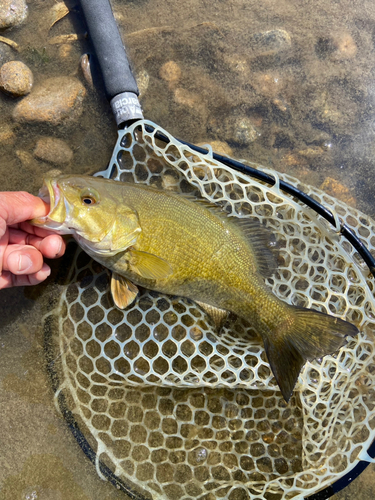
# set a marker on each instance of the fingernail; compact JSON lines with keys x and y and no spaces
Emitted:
{"x":24,"y":263}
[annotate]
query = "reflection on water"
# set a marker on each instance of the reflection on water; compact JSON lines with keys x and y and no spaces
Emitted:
{"x":286,"y":84}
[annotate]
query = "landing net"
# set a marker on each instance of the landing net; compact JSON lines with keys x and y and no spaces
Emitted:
{"x":177,"y":410}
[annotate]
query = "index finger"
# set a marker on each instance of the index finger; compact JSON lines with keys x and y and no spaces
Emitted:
{"x":38,"y":231}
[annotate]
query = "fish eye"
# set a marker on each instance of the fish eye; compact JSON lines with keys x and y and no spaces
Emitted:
{"x":89,"y":197}
{"x":88,"y":200}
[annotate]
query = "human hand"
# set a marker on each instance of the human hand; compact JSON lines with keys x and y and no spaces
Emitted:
{"x":23,"y":246}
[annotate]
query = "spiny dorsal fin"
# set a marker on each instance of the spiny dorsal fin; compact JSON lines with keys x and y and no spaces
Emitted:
{"x":259,"y":237}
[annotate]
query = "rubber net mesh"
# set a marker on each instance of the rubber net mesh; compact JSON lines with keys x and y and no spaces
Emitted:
{"x":178,"y":410}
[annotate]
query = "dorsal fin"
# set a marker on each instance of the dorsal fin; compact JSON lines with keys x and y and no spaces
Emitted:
{"x":259,"y":237}
{"x":261,"y":240}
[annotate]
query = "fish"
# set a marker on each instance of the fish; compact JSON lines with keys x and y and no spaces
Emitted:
{"x":178,"y":245}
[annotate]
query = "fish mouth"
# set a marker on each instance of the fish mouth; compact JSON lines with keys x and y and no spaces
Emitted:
{"x":56,"y":218}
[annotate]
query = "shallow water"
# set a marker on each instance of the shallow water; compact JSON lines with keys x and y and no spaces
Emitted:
{"x":308,"y":107}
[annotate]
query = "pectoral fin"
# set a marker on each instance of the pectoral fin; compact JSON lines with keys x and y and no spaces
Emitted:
{"x":123,"y":291}
{"x":217,"y":315}
{"x":149,"y":266}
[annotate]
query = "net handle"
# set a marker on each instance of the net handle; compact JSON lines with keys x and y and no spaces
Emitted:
{"x":119,"y":82}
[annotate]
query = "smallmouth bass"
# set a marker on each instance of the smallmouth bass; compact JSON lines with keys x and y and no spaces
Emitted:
{"x":170,"y":243}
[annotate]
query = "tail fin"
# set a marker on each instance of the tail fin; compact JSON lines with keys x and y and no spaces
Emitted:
{"x":312,"y":335}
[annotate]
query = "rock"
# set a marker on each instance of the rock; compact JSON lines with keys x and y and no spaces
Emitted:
{"x":56,"y":101}
{"x":6,"y":53}
{"x":337,"y":47}
{"x":219,"y":147}
{"x":243,"y":132}
{"x":237,"y":130}
{"x":7,"y":136}
{"x":16,"y":78}
{"x":171,"y":73}
{"x":12,"y":13}
{"x":336,"y":110}
{"x":53,"y":151}
{"x":338,"y":190}
{"x":269,"y":43}
{"x":346,"y":47}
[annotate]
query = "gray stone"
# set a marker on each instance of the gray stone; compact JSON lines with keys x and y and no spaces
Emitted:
{"x":242,"y":132}
{"x":269,"y":43}
{"x":12,"y":13}
{"x":56,"y":101}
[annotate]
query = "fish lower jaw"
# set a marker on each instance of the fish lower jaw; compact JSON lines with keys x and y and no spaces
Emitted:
{"x":93,"y":249}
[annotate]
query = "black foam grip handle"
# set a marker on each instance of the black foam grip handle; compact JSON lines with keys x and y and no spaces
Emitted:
{"x":109,"y":48}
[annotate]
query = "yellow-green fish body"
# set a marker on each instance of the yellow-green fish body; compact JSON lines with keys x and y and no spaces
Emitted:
{"x":175,"y":245}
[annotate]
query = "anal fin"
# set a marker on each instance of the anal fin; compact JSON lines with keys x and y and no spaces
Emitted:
{"x":123,"y":291}
{"x":217,"y":315}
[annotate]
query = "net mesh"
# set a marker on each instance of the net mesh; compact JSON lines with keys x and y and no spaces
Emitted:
{"x":179,"y":410}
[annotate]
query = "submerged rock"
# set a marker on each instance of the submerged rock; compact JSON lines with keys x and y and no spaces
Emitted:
{"x":12,"y":13}
{"x":336,"y":189}
{"x":56,"y":101}
{"x":219,"y":147}
{"x":240,"y":131}
{"x":53,"y":150}
{"x":171,"y":73}
{"x":268,"y":43}
{"x":7,"y":136}
{"x":16,"y":78}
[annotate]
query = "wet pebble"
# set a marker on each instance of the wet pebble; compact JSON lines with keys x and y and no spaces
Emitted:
{"x":268,"y":43}
{"x":16,"y":78}
{"x":242,"y":132}
{"x":7,"y":136}
{"x":12,"y":13}
{"x":52,"y":150}
{"x":56,"y":101}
